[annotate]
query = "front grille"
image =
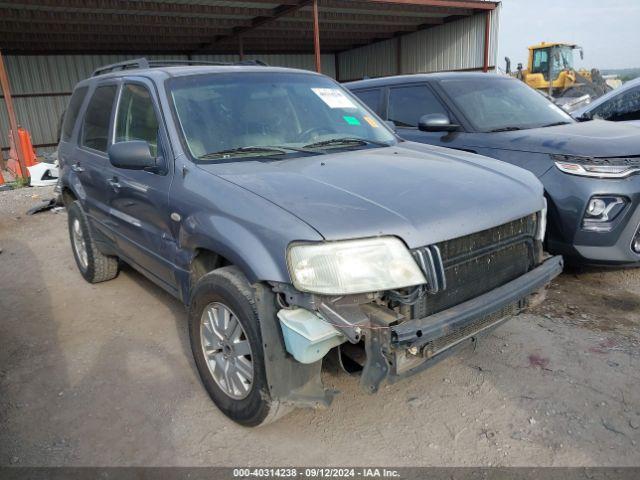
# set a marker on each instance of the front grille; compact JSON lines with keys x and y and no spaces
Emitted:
{"x":477,"y":263}
{"x":447,"y":341}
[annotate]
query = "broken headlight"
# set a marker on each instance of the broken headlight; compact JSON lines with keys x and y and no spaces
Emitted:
{"x":613,"y":167}
{"x":352,"y":266}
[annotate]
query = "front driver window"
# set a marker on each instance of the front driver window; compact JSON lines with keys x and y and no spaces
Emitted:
{"x":408,"y":104}
{"x":136,"y":117}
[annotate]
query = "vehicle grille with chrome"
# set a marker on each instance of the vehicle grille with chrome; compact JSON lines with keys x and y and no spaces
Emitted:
{"x":461,"y":269}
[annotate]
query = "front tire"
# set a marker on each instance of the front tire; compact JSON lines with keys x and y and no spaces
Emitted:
{"x":227,"y":347}
{"x":94,"y":266}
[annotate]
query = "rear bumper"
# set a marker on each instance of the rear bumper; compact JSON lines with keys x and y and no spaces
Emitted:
{"x":414,"y":342}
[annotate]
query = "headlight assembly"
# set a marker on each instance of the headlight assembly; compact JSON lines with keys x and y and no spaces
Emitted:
{"x":352,"y":266}
{"x":614,"y":167}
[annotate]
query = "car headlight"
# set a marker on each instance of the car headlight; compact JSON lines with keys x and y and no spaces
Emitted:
{"x":352,"y":266}
{"x":615,"y":167}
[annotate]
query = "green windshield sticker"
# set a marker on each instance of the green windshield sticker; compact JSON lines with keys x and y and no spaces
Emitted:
{"x":351,"y":120}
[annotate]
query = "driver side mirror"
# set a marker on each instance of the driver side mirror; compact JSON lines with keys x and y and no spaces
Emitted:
{"x":436,"y":122}
{"x":132,"y":155}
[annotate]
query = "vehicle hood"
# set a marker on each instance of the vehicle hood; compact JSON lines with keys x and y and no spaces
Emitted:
{"x":596,"y":138}
{"x":420,"y":193}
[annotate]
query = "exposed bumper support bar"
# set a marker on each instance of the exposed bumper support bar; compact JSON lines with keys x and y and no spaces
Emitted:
{"x":450,"y":326}
{"x":421,"y":331}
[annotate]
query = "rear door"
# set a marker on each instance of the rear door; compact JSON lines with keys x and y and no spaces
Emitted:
{"x":89,"y":162}
{"x":139,"y":198}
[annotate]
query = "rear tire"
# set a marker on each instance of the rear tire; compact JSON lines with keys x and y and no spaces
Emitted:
{"x":231,"y":365}
{"x":94,"y":266}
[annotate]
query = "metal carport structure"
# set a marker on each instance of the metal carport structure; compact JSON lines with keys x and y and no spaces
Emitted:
{"x":49,"y":45}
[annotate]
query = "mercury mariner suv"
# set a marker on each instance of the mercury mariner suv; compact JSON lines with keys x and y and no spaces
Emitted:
{"x":293,"y":224}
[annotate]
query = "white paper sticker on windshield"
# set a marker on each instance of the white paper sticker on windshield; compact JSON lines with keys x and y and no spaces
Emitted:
{"x":334,"y":97}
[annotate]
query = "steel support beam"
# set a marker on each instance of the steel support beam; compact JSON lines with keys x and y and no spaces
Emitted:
{"x":477,"y":4}
{"x":13,"y":122}
{"x":259,"y":21}
{"x":316,"y":37}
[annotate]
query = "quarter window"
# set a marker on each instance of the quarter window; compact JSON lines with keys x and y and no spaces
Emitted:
{"x":137,"y":118}
{"x":72,"y":112}
{"x":408,"y":104}
{"x":95,"y":129}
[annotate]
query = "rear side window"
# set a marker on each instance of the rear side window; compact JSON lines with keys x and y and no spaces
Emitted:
{"x":95,"y":129}
{"x":408,"y":104}
{"x":136,"y":118}
{"x":72,"y":112}
{"x":371,"y":98}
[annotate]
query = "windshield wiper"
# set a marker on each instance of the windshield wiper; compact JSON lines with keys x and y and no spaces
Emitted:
{"x":297,"y":149}
{"x":269,"y":150}
{"x":346,"y":141}
{"x":505,"y":129}
{"x":555,"y":124}
{"x":232,"y":151}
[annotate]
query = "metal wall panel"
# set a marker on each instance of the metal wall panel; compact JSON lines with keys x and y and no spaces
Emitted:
{"x":39,"y":115}
{"x":376,"y":60}
{"x":57,"y":74}
{"x":456,"y":45}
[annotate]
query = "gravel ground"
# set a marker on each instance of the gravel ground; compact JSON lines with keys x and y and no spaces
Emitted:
{"x":102,"y":375}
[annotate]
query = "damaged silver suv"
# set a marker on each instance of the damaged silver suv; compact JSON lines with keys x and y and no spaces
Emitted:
{"x":293,"y":223}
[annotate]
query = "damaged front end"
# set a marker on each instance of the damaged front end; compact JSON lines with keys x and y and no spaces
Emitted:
{"x":470,"y":285}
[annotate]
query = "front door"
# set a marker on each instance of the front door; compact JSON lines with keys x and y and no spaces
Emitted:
{"x":139,"y":199}
{"x":407,"y":103}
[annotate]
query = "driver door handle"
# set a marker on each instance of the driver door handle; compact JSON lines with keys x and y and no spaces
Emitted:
{"x":114,"y":183}
{"x":77,"y":168}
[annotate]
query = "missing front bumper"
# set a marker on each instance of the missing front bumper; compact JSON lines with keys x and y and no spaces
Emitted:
{"x":403,"y":349}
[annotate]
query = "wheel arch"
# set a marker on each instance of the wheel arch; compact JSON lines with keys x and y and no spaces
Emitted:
{"x":212,"y":242}
{"x":68,"y":196}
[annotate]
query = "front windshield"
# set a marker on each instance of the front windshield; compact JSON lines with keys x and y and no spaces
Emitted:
{"x":265,"y":114}
{"x":495,"y":104}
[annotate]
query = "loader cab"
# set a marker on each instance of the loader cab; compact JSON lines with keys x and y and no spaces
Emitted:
{"x":550,"y":60}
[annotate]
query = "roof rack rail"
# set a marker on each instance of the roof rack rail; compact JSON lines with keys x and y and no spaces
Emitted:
{"x":126,"y":65}
{"x":140,"y":63}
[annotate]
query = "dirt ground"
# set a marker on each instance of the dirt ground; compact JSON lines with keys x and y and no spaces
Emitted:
{"x":102,"y":375}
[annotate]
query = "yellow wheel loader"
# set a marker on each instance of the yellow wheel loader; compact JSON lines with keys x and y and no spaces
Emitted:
{"x":550,"y":69}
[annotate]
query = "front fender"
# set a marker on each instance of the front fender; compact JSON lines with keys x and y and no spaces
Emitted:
{"x":235,"y":242}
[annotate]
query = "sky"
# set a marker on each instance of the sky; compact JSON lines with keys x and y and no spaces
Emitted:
{"x":608,"y":30}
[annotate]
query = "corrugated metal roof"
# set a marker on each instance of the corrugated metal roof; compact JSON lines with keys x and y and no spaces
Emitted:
{"x":214,"y":26}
